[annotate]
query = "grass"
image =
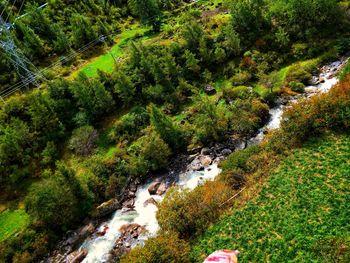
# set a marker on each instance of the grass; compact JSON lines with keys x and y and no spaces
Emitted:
{"x":12,"y":222}
{"x":302,"y":206}
{"x":107,"y":61}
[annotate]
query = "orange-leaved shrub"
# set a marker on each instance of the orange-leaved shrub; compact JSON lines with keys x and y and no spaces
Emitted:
{"x":328,"y":111}
{"x":167,"y":247}
{"x":188,"y":213}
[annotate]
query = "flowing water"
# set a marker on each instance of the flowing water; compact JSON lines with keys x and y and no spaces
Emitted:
{"x":99,"y":247}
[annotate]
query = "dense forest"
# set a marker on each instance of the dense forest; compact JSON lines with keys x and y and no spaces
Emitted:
{"x":73,"y":143}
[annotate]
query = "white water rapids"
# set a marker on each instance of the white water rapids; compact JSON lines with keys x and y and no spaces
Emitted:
{"x":98,"y":247}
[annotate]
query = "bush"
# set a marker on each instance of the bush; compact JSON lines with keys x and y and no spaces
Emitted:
{"x":166,"y":247}
{"x":130,"y":124}
{"x":189,"y":213}
{"x":83,"y":140}
{"x":52,"y":202}
{"x":232,"y":93}
{"x":308,"y":118}
{"x":296,"y":86}
{"x":153,"y":150}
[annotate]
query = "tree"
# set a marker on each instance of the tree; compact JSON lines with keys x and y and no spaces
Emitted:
{"x":148,"y":11}
{"x":52,"y":202}
{"x":15,"y":139}
{"x":92,"y":97}
{"x":211,"y":121}
{"x":247,"y":19}
{"x":82,"y":31}
{"x":165,"y":127}
{"x":155,"y":151}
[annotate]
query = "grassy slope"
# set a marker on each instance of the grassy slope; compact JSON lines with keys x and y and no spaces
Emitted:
{"x":12,"y":222}
{"x":305,"y":201}
{"x":106,"y":61}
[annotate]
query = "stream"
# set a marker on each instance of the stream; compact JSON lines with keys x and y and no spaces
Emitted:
{"x":98,"y":248}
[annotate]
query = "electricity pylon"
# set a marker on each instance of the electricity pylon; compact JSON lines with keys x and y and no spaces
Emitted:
{"x":21,"y":64}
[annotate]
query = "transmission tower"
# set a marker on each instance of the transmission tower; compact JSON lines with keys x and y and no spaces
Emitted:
{"x":21,"y":64}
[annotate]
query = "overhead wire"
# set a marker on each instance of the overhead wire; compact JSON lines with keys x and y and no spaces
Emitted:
{"x":8,"y":14}
{"x":10,"y":90}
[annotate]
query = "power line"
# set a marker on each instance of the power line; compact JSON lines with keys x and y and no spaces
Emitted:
{"x":8,"y":14}
{"x":34,"y":78}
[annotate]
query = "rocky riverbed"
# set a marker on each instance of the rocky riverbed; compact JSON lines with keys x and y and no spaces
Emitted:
{"x":134,"y":213}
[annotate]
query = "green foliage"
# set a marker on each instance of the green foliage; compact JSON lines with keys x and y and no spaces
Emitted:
{"x":12,"y":222}
{"x":189,"y":213}
{"x":302,"y":207}
{"x":92,"y":97}
{"x":59,"y":200}
{"x":296,"y":86}
{"x":130,"y":124}
{"x":83,"y":140}
{"x":166,"y":247}
{"x":49,"y":154}
{"x":148,"y":11}
{"x":152,"y":150}
{"x":302,"y":19}
{"x":211,"y":120}
{"x":164,"y":126}
{"x":327,"y":111}
{"x":247,"y":18}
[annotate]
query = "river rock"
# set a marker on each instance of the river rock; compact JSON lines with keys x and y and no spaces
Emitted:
{"x":226,"y":152}
{"x":205,"y":151}
{"x":131,"y":194}
{"x":77,"y":256}
{"x":128,"y":238}
{"x":205,"y":160}
{"x":196,"y":165}
{"x":210,"y":90}
{"x":239,"y":144}
{"x":161,"y":189}
{"x":107,"y":208}
{"x":191,"y":157}
{"x":129,"y":203}
{"x":150,"y":201}
{"x":81,"y":234}
{"x":152,"y":189}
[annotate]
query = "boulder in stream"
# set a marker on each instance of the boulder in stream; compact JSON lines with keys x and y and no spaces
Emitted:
{"x":128,"y":238}
{"x":152,"y":189}
{"x":150,"y":201}
{"x":81,"y":234}
{"x":107,"y":208}
{"x":161,"y":189}
{"x":205,"y":160}
{"x":77,"y":256}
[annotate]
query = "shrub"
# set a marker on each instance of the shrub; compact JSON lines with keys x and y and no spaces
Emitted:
{"x":52,"y":202}
{"x":232,"y":93}
{"x":130,"y":124}
{"x":241,"y":78}
{"x":296,"y":86}
{"x":153,"y":150}
{"x":188,"y":213}
{"x":83,"y":140}
{"x":308,"y":118}
{"x":166,"y":247}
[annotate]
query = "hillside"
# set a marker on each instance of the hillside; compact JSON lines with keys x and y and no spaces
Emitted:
{"x":300,"y":215}
{"x":130,"y":93}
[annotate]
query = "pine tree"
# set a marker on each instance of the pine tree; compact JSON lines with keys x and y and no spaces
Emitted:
{"x":164,"y":126}
{"x":148,"y":11}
